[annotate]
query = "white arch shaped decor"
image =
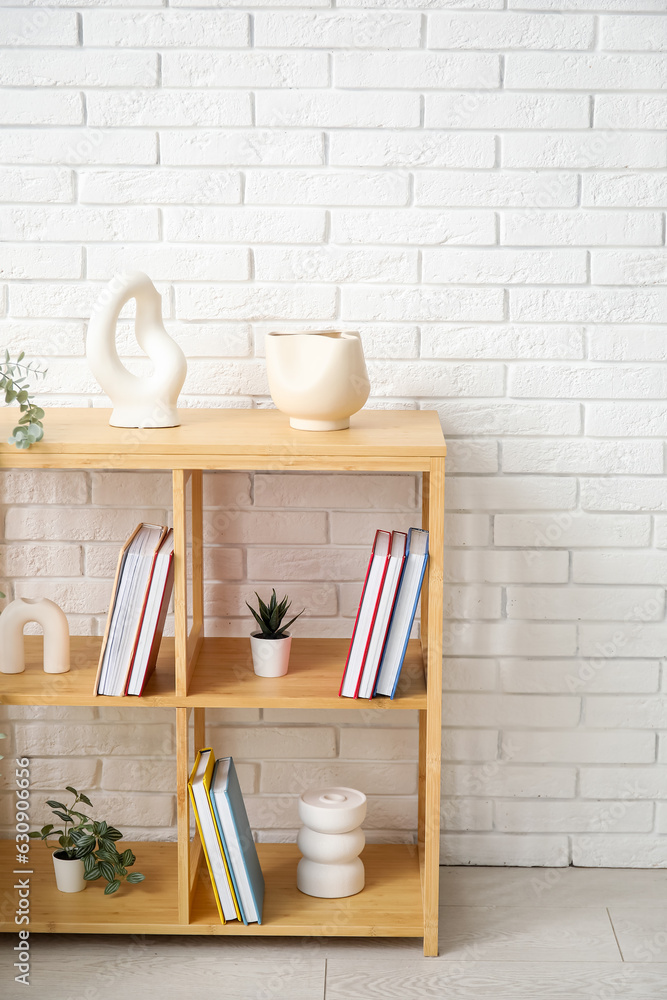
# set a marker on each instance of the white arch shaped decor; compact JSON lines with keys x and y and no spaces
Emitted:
{"x":148,"y":401}
{"x":56,"y":635}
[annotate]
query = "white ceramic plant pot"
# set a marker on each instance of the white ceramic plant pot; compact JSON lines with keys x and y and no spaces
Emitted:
{"x":270,"y":657}
{"x":331,"y":841}
{"x":56,"y":635}
{"x":318,"y":378}
{"x":69,"y":873}
{"x":138,"y":402}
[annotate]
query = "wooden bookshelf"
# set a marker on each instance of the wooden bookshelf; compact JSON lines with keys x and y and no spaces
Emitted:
{"x":196,"y":672}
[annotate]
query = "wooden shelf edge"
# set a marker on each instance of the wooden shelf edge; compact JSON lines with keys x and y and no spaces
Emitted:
{"x":389,"y":906}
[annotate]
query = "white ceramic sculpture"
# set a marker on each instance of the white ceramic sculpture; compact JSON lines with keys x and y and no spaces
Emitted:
{"x":56,"y":635}
{"x":148,"y":401}
{"x":331,"y":841}
{"x":318,"y":378}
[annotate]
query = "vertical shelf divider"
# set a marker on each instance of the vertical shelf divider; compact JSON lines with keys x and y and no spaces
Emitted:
{"x":423,"y":631}
{"x":430,"y":743}
{"x":189,"y":851}
{"x":188,"y":644}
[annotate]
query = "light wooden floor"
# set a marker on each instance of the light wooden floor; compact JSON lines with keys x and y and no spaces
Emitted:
{"x":506,"y":934}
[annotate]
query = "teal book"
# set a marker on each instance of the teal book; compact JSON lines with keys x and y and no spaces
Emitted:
{"x":236,"y":835}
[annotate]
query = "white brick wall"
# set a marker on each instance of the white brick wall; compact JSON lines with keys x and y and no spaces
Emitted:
{"x":479,"y":187}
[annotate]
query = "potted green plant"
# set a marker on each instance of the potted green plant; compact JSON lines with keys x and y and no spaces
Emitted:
{"x":271,"y":645}
{"x":87,"y":849}
{"x":68,"y":865}
{"x":14,"y":384}
{"x":96,"y":845}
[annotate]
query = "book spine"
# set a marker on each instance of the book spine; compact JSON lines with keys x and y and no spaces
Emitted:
{"x":372,"y":625}
{"x":412,"y":618}
{"x":356,"y":620}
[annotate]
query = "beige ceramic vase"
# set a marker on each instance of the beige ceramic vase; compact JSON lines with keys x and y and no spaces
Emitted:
{"x":317,"y":378}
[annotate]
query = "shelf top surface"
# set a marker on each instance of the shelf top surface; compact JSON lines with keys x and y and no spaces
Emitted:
{"x":390,"y":903}
{"x":223,"y":677}
{"x":76,"y":437}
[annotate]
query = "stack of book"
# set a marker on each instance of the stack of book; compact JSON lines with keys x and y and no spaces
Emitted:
{"x":386,"y":613}
{"x":141,"y":594}
{"x":229,"y":848}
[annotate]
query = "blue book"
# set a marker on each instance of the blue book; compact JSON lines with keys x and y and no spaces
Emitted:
{"x":403,"y":616}
{"x":236,"y":835}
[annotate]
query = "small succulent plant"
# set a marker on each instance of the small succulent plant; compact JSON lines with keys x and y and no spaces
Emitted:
{"x":270,"y":616}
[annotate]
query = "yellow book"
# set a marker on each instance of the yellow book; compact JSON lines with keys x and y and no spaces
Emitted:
{"x":199,"y":787}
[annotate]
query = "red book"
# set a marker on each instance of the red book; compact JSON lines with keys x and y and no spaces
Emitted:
{"x":385,"y":607}
{"x":366,"y":615}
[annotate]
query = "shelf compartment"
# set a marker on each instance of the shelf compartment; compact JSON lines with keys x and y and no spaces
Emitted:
{"x":223,"y":677}
{"x":34,"y":687}
{"x":389,"y":906}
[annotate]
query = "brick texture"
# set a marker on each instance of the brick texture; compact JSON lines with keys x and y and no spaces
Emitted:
{"x":478,"y":187}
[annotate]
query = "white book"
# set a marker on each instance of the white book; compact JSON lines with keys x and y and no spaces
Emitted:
{"x":405,"y":608}
{"x":149,"y":624}
{"x":370,"y":597}
{"x":385,"y":608}
{"x":128,"y":604}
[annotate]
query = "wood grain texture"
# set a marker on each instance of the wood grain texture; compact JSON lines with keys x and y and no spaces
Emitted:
{"x":153,"y":974}
{"x":179,"y":490}
{"x":184,"y":857}
{"x":443,"y":980}
{"x":389,"y":905}
{"x":225,"y":439}
{"x":641,"y":932}
{"x":34,"y":687}
{"x":433,"y":735}
{"x":224,"y":677}
{"x":562,"y":887}
{"x":510,"y":933}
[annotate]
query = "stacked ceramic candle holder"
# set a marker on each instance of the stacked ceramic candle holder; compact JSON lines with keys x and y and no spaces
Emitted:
{"x":331,"y":840}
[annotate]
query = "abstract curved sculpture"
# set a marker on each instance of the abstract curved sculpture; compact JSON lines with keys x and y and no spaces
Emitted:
{"x":148,"y":401}
{"x":318,"y":378}
{"x":56,"y":635}
{"x":331,"y":840}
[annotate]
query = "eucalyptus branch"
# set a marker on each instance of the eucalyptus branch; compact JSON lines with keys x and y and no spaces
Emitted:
{"x":14,"y":383}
